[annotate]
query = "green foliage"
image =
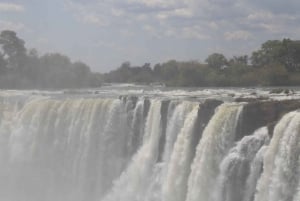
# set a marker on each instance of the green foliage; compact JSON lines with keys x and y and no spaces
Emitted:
{"x":13,"y":48}
{"x":273,"y":75}
{"x":275,"y":63}
{"x":238,"y":61}
{"x":190,"y":74}
{"x":216,"y":60}
{"x":128,"y":73}
{"x":3,"y":64}
{"x":285,"y":52}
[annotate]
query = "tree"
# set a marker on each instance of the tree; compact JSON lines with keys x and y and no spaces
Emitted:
{"x":169,"y":71}
{"x":291,"y":58}
{"x":285,"y":52}
{"x":81,"y":69}
{"x":125,"y":65}
{"x":270,"y":52}
{"x":216,"y":60}
{"x":239,"y":60}
{"x":82,"y":73}
{"x":2,"y":64}
{"x":13,"y":48}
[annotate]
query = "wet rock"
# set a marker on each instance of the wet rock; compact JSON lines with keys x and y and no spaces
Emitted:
{"x":205,"y":113}
{"x":257,"y":114}
{"x":248,"y":99}
{"x":281,"y":91}
{"x":134,"y":100}
{"x":146,"y":107}
{"x":164,"y":118}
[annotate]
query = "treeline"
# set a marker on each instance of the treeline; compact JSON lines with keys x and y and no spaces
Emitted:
{"x":276,"y":63}
{"x":25,"y":69}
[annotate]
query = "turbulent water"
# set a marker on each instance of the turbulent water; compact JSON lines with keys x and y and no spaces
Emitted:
{"x":141,"y":148}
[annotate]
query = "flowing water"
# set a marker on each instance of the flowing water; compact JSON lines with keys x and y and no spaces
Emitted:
{"x":146,"y":146}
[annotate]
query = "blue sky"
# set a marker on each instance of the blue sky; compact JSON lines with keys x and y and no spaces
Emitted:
{"x":105,"y":33}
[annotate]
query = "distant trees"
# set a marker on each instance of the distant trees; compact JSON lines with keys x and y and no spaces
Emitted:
{"x":275,"y":63}
{"x":22,"y":68}
{"x":216,"y":60}
{"x":13,"y":48}
{"x":3,"y":64}
{"x":285,"y":52}
{"x":127,"y":73}
{"x":239,"y":60}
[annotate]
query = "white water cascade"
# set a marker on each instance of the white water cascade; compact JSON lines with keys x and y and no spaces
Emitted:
{"x":143,"y":148}
{"x":234,"y":169}
{"x":174,"y":187}
{"x":280,"y":179}
{"x":218,"y":137}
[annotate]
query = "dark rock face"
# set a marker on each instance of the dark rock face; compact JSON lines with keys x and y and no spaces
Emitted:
{"x":262,"y":98}
{"x":132,"y":99}
{"x":279,"y":91}
{"x":259,"y":113}
{"x":146,"y":107}
{"x":205,"y":112}
{"x":164,"y":116}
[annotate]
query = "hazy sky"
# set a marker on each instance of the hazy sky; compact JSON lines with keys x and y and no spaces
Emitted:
{"x":105,"y":33}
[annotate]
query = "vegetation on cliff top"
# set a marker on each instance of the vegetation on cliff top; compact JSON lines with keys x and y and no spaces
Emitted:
{"x":24,"y":69}
{"x":276,"y":63}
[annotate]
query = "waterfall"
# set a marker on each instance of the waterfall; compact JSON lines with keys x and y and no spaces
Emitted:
{"x":145,"y":148}
{"x":218,"y":137}
{"x":280,"y":177}
{"x":178,"y":119}
{"x":137,"y":126}
{"x":62,"y":147}
{"x":132,"y":184}
{"x":255,"y":172}
{"x":178,"y":169}
{"x":235,"y":167}
{"x":175,"y":124}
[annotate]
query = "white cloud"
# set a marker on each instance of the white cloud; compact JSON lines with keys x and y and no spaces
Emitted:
{"x":261,"y":15}
{"x":91,"y":18}
{"x":117,"y":12}
{"x":215,"y":20}
{"x":110,"y":45}
{"x":155,"y":3}
{"x":213,"y":25}
{"x":194,"y":32}
{"x":11,"y":7}
{"x":266,"y":22}
{"x":271,"y":27}
{"x":180,"y":12}
{"x":16,"y":26}
{"x":42,"y":40}
{"x":86,"y":14}
{"x":149,"y":28}
{"x":142,"y":17}
{"x":127,"y":33}
{"x":237,"y":35}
